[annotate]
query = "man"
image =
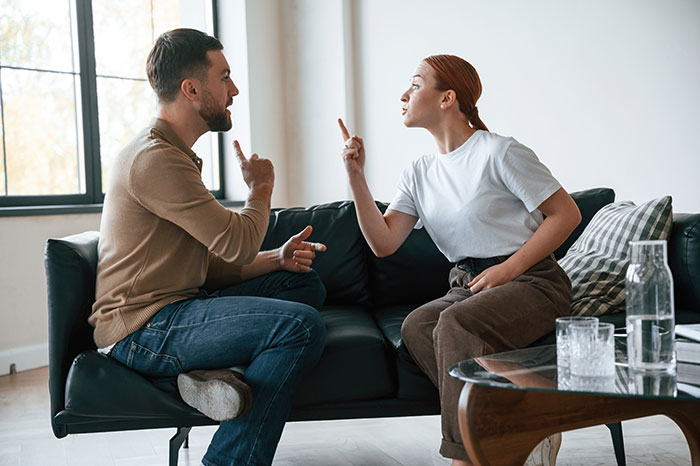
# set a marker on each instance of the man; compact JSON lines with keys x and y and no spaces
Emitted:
{"x":182,"y":289}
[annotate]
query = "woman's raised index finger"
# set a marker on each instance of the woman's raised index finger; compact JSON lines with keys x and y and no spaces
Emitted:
{"x":239,"y":153}
{"x":343,"y":129}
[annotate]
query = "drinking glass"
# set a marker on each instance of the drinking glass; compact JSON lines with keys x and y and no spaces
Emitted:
{"x":592,"y":350}
{"x":563,"y":346}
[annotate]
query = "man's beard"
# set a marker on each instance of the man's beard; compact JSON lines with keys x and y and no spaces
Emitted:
{"x":217,"y":120}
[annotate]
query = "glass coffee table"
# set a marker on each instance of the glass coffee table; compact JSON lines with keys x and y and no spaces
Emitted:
{"x":511,"y":401}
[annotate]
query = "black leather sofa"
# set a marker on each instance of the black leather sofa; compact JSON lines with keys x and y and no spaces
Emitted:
{"x":365,"y":370}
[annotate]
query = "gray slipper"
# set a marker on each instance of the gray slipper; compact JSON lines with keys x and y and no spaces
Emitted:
{"x":219,"y":394}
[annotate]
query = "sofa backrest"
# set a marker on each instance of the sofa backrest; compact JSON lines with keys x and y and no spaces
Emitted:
{"x":343,"y":266}
{"x":589,"y":202}
{"x":684,"y":260}
{"x":416,"y":273}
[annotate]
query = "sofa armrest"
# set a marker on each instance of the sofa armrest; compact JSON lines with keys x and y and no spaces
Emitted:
{"x":684,"y":260}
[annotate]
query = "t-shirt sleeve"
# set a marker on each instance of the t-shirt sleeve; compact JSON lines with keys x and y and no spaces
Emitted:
{"x":525,"y":176}
{"x":404,"y":200}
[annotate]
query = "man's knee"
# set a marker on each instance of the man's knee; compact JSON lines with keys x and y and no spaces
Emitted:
{"x":309,"y":287}
{"x":312,"y":326}
{"x":316,"y":288}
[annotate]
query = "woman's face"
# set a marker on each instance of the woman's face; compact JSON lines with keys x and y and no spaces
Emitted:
{"x":421,"y":102}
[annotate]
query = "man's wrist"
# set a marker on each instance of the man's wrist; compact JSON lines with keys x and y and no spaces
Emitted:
{"x":261,"y":192}
{"x":279,"y":258}
{"x":273,"y":257}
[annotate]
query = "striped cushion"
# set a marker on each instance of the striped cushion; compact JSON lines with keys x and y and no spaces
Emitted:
{"x":597,"y":262}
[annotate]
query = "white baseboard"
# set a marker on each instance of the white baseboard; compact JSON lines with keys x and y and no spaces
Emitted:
{"x":24,"y":358}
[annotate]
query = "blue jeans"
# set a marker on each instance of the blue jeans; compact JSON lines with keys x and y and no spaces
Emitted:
{"x":269,"y":323}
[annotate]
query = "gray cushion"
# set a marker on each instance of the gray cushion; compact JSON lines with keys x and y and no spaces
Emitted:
{"x":597,"y":262}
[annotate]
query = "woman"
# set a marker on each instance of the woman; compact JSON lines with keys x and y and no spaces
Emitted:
{"x":481,"y":198}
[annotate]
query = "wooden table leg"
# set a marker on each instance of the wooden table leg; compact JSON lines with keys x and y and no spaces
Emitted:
{"x":501,"y":426}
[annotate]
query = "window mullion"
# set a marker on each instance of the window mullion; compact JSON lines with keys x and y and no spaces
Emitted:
{"x":221,"y":192}
{"x":88,"y":89}
{"x":4,"y":151}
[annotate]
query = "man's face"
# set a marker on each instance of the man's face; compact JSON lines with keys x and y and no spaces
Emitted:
{"x":217,"y":93}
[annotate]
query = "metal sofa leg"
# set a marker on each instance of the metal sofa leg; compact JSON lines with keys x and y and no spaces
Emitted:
{"x":618,"y":442}
{"x":182,"y":435}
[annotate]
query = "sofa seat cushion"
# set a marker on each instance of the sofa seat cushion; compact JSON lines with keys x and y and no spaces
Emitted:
{"x":99,"y":386}
{"x":390,"y":318}
{"x":412,"y":383}
{"x":355,"y":362}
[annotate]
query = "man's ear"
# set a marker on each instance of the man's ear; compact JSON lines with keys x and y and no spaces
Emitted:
{"x":191,"y":89}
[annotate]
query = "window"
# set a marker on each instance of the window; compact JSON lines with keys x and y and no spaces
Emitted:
{"x":73,"y":92}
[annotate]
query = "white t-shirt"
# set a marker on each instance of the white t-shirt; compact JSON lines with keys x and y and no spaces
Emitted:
{"x":479,"y":200}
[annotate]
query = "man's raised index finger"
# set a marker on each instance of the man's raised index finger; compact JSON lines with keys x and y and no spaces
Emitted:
{"x":239,"y":153}
{"x":343,"y":129}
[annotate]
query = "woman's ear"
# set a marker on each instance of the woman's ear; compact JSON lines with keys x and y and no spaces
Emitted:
{"x":448,"y":98}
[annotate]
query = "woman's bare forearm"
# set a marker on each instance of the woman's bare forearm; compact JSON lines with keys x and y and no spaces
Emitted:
{"x":562,"y":217}
{"x":383,"y":236}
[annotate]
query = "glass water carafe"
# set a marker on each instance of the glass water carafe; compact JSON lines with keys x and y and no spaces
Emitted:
{"x":650,"y":309}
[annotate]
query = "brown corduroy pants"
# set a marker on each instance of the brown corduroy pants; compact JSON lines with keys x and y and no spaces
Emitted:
{"x":462,"y":325}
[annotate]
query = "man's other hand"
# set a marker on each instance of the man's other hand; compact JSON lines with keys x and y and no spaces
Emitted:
{"x":296,"y":255}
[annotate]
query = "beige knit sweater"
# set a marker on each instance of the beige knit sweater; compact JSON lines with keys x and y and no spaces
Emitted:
{"x":163,"y":235}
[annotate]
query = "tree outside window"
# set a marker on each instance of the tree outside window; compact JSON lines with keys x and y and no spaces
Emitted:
{"x":73,"y":92}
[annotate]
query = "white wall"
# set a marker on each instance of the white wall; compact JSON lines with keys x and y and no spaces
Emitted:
{"x":314,"y":91}
{"x":293,"y":85}
{"x":606,"y":93}
{"x":23,"y":309}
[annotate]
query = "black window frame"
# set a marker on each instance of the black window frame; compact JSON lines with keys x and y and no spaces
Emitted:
{"x":92,"y":199}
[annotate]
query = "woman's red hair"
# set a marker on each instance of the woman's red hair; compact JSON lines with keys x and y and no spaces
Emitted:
{"x":454,"y":73}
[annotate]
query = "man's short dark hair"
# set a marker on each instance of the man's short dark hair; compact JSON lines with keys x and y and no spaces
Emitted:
{"x":177,"y":55}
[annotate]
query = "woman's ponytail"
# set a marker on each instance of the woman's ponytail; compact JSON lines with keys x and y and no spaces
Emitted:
{"x":475,"y":121}
{"x":452,"y":72}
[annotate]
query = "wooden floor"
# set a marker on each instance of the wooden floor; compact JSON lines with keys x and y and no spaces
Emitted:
{"x":26,"y":439}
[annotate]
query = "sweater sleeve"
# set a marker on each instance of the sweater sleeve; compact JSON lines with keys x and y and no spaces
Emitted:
{"x":167,"y":182}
